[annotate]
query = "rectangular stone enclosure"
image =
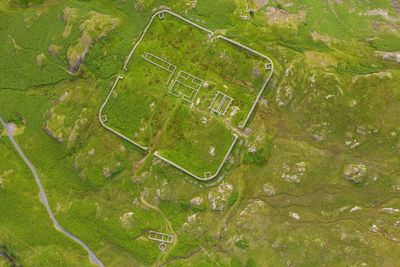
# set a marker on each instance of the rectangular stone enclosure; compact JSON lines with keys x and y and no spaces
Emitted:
{"x":183,"y":91}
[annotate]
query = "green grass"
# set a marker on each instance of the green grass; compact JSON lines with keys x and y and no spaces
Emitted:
{"x":314,"y":106}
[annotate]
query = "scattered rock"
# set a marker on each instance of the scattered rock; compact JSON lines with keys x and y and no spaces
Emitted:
{"x":264,"y":102}
{"x":106,"y":172}
{"x":394,"y":56}
{"x":390,"y":210}
{"x":361,"y":130}
{"x":193,"y":225}
{"x":212,"y":151}
{"x":319,"y":131}
{"x":256,"y":72}
{"x":381,"y":75}
{"x":252,"y":149}
{"x":234,"y":111}
{"x":63,"y":97}
{"x":380,"y":12}
{"x":269,"y":189}
{"x":353,"y":103}
{"x":252,"y":208}
{"x":58,"y":138}
{"x":54,"y":49}
{"x":374,"y":228}
{"x":396,"y":186}
{"x":355,"y":208}
{"x":39,"y":59}
{"x":396,"y":6}
{"x":126,"y":217}
{"x":197,"y":201}
{"x":91,"y":152}
{"x":293,"y":174}
{"x":218,"y":197}
{"x":284,"y":95}
{"x":355,"y":172}
{"x":76,"y":163}
{"x":343,"y":208}
{"x":282,"y":19}
{"x":294,"y":215}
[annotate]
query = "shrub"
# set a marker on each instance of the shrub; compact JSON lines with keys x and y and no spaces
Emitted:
{"x":258,"y":157}
{"x":357,"y":69}
{"x":236,"y":263}
{"x":233,"y":198}
{"x":242,"y":243}
{"x":386,"y":43}
{"x":251,"y":262}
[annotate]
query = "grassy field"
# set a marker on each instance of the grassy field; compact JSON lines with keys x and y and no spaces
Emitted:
{"x":313,"y":181}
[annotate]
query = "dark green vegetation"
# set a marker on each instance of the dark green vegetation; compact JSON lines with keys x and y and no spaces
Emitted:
{"x":315,"y":181}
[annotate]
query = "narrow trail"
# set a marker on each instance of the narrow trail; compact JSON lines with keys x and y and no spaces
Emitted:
{"x":143,"y":200}
{"x":159,"y":211}
{"x":43,"y":198}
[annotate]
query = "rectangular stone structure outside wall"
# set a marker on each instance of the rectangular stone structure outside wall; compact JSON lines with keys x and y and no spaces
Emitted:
{"x":160,"y":237}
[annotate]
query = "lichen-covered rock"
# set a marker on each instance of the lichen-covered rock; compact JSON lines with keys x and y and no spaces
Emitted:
{"x":292,"y":173}
{"x":193,"y":225}
{"x":294,"y":215}
{"x":54,"y":49}
{"x":126,"y":219}
{"x":269,"y":189}
{"x":355,"y":172}
{"x":391,"y":210}
{"x":106,"y":172}
{"x":197,"y":201}
{"x":218,"y":197}
{"x":69,"y":16}
{"x":212,"y":151}
{"x":94,"y":28}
